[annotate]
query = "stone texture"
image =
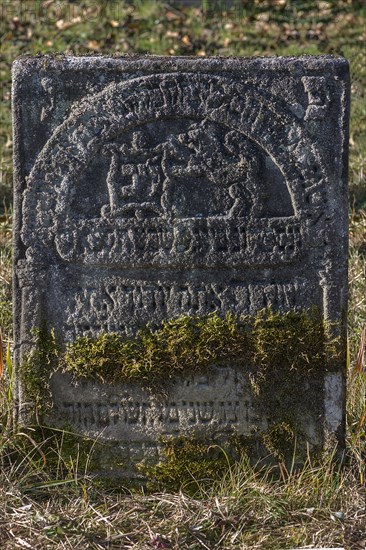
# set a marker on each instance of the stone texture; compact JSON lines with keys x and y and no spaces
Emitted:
{"x":151,"y":187}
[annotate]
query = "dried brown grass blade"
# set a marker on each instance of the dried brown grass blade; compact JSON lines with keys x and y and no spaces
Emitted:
{"x":1,"y":356}
{"x":35,"y":445}
{"x":360,"y":355}
{"x":362,"y":421}
{"x":6,"y":212}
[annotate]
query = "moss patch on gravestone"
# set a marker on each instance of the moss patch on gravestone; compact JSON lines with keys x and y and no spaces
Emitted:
{"x":189,"y":464}
{"x":193,"y":464}
{"x":292,"y":342}
{"x":279,"y":351}
{"x":37,"y":368}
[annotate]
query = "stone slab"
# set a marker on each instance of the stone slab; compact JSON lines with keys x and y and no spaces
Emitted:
{"x":147,"y":188}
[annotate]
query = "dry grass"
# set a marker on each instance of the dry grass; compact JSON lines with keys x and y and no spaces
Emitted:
{"x":315,"y":507}
{"x":5,"y":275}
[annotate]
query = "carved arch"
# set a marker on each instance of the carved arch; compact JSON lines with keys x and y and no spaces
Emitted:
{"x":121,"y":107}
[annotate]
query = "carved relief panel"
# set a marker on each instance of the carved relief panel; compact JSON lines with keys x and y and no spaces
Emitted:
{"x":150,"y":188}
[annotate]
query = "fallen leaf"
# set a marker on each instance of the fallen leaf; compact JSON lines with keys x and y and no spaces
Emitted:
{"x":337,"y":515}
{"x":93,"y":45}
{"x":172,"y":34}
{"x":160,"y":543}
{"x":171,"y":16}
{"x":62,"y":24}
{"x":186,"y":40}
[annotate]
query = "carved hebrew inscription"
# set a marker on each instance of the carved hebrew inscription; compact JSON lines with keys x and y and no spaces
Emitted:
{"x":122,"y":305}
{"x":221,"y":404}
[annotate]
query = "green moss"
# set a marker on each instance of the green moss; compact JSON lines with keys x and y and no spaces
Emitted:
{"x":188,"y":463}
{"x":284,"y":356}
{"x":280,"y":440}
{"x":275,"y":349}
{"x":192,"y":464}
{"x":294,"y":341}
{"x":186,"y":344}
{"x":36,"y":370}
{"x":277,"y":344}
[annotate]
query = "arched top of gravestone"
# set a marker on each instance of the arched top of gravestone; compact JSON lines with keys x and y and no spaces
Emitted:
{"x":175,"y":147}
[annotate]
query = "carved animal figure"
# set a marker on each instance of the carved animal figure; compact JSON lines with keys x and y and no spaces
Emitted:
{"x":142,"y":178}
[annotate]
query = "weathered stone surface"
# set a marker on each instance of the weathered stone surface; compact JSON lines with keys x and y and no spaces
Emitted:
{"x":147,"y":188}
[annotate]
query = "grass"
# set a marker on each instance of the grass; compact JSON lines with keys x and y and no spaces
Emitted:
{"x":47,"y":497}
{"x":247,"y":508}
{"x":5,"y":274}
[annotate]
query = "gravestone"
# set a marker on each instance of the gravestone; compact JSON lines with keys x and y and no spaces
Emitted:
{"x":147,"y":188}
